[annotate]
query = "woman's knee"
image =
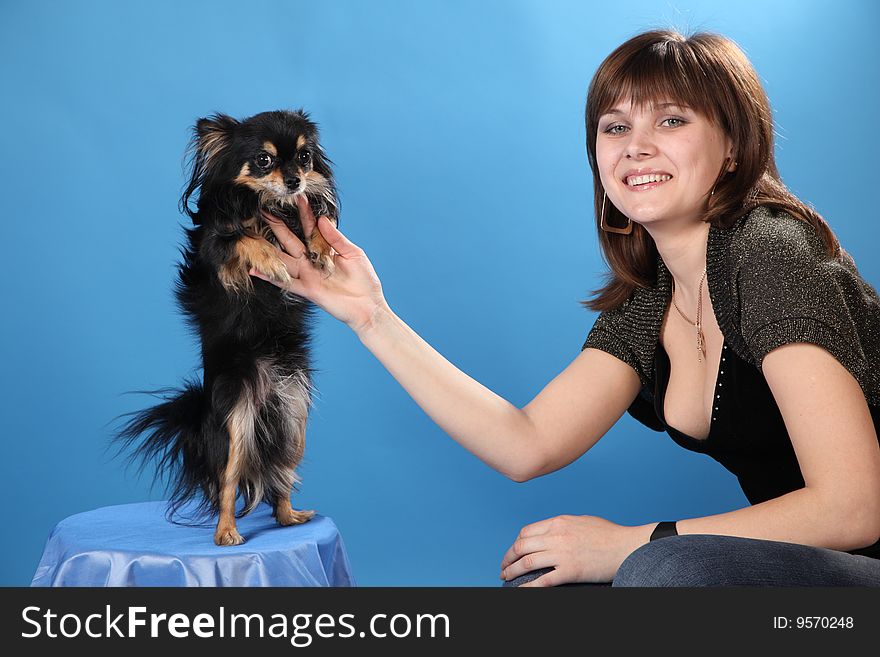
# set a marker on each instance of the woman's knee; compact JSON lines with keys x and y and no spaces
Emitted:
{"x":673,"y":561}
{"x":710,"y":560}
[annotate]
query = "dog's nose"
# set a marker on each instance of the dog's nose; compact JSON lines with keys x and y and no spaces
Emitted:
{"x":292,"y":182}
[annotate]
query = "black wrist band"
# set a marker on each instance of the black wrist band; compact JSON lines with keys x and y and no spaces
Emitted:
{"x":663,"y":529}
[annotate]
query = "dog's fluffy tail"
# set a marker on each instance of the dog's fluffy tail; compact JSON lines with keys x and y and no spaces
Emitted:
{"x":175,"y":434}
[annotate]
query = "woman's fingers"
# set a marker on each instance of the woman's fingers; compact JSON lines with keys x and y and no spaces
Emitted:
{"x":552,"y":578}
{"x":336,"y":239}
{"x":521,"y":547}
{"x":293,"y":285}
{"x":530,"y":562}
{"x":328,"y":230}
{"x":288,"y":241}
{"x":537,"y":528}
{"x":306,"y":216}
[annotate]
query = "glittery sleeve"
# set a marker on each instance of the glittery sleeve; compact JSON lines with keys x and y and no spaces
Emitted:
{"x":609,"y":334}
{"x":790,"y":291}
{"x":607,"y":342}
{"x":612,"y":333}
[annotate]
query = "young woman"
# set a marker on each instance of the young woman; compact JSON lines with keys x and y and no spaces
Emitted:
{"x":732,"y":320}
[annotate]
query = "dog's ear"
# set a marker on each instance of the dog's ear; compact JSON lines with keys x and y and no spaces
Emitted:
{"x":211,"y":136}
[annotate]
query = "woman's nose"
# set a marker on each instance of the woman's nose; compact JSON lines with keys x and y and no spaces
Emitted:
{"x":640,"y":144}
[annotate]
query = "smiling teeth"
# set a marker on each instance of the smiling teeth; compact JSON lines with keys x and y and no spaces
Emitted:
{"x":632,"y":181}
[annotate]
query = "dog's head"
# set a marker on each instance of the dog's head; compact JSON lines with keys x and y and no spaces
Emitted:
{"x":273,"y":155}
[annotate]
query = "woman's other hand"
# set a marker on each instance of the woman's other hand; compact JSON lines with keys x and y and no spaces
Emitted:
{"x":348,"y":289}
{"x":579,"y":548}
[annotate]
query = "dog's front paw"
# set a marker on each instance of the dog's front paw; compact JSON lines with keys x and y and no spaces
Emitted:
{"x":264,"y":258}
{"x":287,"y":517}
{"x":324,"y":262}
{"x":254,"y":253}
{"x":321,"y":253}
{"x":275,"y":270}
{"x":227,"y":537}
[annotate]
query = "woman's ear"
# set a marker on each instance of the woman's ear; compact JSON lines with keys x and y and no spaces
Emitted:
{"x":731,"y":160}
{"x":730,"y":157}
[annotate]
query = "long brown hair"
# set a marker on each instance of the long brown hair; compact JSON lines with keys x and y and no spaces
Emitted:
{"x":711,"y":75}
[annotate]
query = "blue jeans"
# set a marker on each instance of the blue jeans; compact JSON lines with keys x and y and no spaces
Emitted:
{"x":709,"y":560}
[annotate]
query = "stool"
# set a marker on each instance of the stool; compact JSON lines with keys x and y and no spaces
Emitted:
{"x":135,"y":545}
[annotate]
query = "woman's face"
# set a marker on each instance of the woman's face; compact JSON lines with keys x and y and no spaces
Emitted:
{"x":659,"y":162}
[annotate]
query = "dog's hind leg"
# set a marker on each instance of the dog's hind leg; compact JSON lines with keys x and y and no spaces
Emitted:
{"x":226,"y":533}
{"x":294,"y":395}
{"x":285,"y":513}
{"x":285,"y":479}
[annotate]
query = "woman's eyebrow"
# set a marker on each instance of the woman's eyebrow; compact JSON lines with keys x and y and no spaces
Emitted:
{"x":655,"y":107}
{"x":661,"y":106}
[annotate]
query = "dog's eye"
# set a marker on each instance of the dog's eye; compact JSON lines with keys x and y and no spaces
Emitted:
{"x":304,"y":156}
{"x":264,"y":160}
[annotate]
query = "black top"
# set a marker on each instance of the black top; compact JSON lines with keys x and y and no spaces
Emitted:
{"x":747,"y":434}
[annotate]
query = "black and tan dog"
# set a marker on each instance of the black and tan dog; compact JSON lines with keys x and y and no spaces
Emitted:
{"x":241,"y":430}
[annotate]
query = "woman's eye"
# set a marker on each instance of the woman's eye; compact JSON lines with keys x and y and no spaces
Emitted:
{"x":615,"y":129}
{"x":305,"y":157}
{"x":673,"y":122}
{"x":264,"y":160}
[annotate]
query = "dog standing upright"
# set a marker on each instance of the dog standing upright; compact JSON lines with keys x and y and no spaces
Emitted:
{"x":241,"y":430}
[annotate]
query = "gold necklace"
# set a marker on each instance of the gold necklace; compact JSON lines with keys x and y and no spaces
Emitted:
{"x":701,"y":339}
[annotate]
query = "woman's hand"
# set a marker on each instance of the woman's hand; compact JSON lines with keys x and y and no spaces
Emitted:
{"x":581,"y":548}
{"x":348,"y":289}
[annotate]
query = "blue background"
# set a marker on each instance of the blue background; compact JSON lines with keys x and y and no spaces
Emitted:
{"x":457,"y":132}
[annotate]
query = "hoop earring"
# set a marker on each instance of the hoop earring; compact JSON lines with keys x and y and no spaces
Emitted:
{"x":612,"y":229}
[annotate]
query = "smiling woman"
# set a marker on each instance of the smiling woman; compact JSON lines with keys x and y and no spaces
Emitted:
{"x":771,"y":370}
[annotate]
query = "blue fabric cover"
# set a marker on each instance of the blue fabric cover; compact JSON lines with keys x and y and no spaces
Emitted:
{"x":134,"y":545}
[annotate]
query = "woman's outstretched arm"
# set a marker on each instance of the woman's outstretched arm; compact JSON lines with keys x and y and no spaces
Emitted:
{"x":562,"y":422}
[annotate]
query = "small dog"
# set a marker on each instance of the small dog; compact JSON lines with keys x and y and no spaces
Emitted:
{"x":241,"y":431}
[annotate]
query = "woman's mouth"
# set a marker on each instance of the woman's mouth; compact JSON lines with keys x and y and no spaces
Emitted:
{"x":645,"y":181}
